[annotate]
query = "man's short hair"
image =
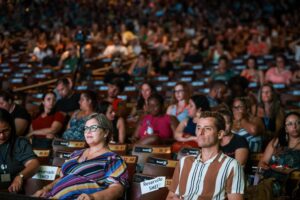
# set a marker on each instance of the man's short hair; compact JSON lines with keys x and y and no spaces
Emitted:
{"x":217,"y":84}
{"x":219,"y":119}
{"x":63,"y":81}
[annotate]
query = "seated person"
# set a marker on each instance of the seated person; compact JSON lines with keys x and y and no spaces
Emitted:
{"x":48,"y":123}
{"x":185,"y":133}
{"x":92,"y":173}
{"x":247,"y":125}
{"x":18,"y":162}
{"x":233,"y":145}
{"x":156,"y":126}
{"x":212,"y":174}
{"x":163,"y":66}
{"x":251,"y":73}
{"x":283,"y":150}
{"x":88,"y":105}
{"x":181,"y":96}
{"x":223,"y":72}
{"x":118,"y":123}
{"x":141,"y":66}
{"x":19,"y":114}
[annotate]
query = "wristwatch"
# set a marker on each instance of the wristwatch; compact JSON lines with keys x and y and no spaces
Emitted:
{"x":21,"y":176}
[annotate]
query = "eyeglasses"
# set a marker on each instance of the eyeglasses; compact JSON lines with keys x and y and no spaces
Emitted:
{"x":296,"y":123}
{"x":5,"y":131}
{"x":178,"y":91}
{"x":92,"y":128}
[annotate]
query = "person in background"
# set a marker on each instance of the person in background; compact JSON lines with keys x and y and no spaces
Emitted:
{"x":279,"y":74}
{"x":20,"y":115}
{"x":18,"y":162}
{"x":231,"y":144}
{"x":48,"y":122}
{"x":68,"y":102}
{"x":181,"y":96}
{"x":246,"y":125}
{"x":211,"y":174}
{"x":155,"y":127}
{"x":118,"y":123}
{"x":92,"y":173}
{"x":141,"y":66}
{"x":251,"y":73}
{"x":217,"y":93}
{"x":282,"y":151}
{"x":270,"y":110}
{"x":88,"y":105}
{"x":115,"y":88}
{"x":223,"y":72}
{"x":69,"y":58}
{"x":185,"y":133}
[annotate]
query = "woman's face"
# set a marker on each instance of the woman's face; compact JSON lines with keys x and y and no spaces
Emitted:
{"x":192,"y":109}
{"x":292,"y":126}
{"x":4,"y":132}
{"x":84,"y":102}
{"x":49,"y":101}
{"x":154,"y":107}
{"x":93,"y":133}
{"x":251,"y":64}
{"x":238,"y":109}
{"x":280,"y":62}
{"x":4,"y":104}
{"x":266,"y":94}
{"x":110,"y":113}
{"x":146,"y":91}
{"x":179,"y":92}
{"x":228,"y":125}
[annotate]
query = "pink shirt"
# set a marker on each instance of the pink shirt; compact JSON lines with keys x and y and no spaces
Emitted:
{"x":161,"y":126}
{"x":273,"y":76}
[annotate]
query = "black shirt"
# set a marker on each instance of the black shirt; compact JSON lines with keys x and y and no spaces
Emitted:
{"x":69,"y":104}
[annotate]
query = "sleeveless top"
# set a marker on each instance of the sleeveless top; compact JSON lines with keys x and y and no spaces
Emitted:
{"x":255,"y":142}
{"x":75,"y":132}
{"x":180,"y":116}
{"x":190,"y":127}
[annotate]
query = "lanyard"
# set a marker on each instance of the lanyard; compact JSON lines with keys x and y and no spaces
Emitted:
{"x":3,"y":165}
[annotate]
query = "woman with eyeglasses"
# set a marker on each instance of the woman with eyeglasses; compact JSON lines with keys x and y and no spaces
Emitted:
{"x":247,"y":125}
{"x":181,"y":96}
{"x":17,"y":160}
{"x":279,"y":73}
{"x":92,"y":173}
{"x":283,"y":151}
{"x":88,"y":103}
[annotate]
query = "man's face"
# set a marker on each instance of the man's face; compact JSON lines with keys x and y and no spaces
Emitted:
{"x":63,"y":90}
{"x":207,"y":134}
{"x":113,"y":91}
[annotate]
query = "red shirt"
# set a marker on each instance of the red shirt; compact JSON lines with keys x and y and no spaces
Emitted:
{"x":46,"y":122}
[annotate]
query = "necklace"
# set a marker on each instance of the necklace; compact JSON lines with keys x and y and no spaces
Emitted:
{"x":294,"y":147}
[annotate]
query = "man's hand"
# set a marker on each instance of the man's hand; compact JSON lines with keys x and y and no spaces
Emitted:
{"x":16,"y":184}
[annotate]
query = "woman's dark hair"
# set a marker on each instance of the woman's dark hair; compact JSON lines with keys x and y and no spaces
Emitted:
{"x":41,"y":108}
{"x":201,"y":102}
{"x":159,"y":98}
{"x":7,"y":118}
{"x":103,"y":107}
{"x":93,"y":96}
{"x":283,"y":138}
{"x":251,"y":58}
{"x":282,"y":56}
{"x":228,"y":113}
{"x":275,"y":104}
{"x":6,"y":96}
{"x":187,"y":91}
{"x":141,"y":100}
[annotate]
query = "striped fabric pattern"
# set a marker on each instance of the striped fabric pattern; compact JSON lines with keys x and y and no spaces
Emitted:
{"x":89,"y":176}
{"x":214,"y":179}
{"x":255,"y":142}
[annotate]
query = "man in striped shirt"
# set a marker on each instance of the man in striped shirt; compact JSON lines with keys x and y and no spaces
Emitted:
{"x":212,"y":174}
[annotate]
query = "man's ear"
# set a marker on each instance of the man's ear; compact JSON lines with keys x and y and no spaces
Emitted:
{"x":221,"y":134}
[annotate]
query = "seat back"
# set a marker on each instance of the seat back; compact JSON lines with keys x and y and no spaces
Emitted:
{"x":120,"y":149}
{"x":131,"y":162}
{"x":144,"y":151}
{"x":159,"y":167}
{"x":136,"y":192}
{"x":41,"y":179}
{"x":187,"y":151}
{"x":59,"y":157}
{"x":67,"y":145}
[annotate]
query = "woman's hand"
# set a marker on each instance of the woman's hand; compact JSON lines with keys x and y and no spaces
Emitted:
{"x":41,"y":193}
{"x":16,"y":184}
{"x":85,"y":197}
